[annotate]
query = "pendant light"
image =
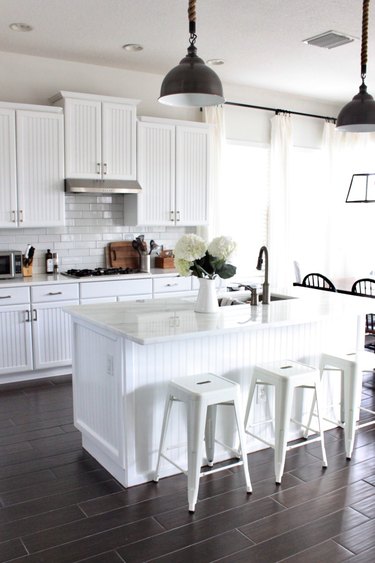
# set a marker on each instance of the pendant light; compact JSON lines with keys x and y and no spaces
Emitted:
{"x":361,"y":189}
{"x":191,"y":83}
{"x":358,"y":116}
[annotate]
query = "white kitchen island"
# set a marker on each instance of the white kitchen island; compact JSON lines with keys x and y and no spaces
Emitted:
{"x":125,"y":353}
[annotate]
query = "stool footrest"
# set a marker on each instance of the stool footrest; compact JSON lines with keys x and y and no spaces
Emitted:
{"x":304,"y":443}
{"x":217,"y":469}
{"x":260,"y":439}
{"x":235,"y":452}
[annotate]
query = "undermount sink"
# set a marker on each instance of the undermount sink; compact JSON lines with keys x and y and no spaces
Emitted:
{"x":243,"y":298}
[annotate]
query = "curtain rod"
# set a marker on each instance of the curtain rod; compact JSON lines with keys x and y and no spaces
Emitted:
{"x":277,"y":110}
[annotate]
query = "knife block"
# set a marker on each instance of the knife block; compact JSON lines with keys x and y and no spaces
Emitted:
{"x":27,"y":271}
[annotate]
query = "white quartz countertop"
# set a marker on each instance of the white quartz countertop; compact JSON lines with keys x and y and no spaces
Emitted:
{"x":41,"y":279}
{"x":151,"y":321}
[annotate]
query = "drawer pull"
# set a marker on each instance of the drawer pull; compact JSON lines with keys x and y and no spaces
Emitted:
{"x":5,"y":297}
{"x":55,"y":293}
{"x":171,"y":284}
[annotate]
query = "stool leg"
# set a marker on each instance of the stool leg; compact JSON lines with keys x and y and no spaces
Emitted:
{"x":210,"y":433}
{"x":196,"y":425}
{"x":318,"y":399}
{"x":352,"y":397}
{"x":167,"y":412}
{"x":313,"y":404}
{"x":242,"y":439}
{"x":283,"y":406}
{"x":253,"y":383}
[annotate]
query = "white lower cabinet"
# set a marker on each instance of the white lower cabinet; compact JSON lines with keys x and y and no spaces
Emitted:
{"x":34,"y":330}
{"x":15,"y":330}
{"x":51,"y":325}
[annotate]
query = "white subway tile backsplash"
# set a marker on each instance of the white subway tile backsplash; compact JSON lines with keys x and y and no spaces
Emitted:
{"x":91,"y":223}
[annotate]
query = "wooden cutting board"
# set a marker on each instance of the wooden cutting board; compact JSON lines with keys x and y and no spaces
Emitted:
{"x":122,"y":255}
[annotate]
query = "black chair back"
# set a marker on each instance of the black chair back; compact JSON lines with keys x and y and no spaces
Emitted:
{"x":318,"y":281}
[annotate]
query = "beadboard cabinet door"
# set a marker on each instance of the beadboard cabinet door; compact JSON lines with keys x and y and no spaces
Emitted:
{"x":15,"y":339}
{"x":52,"y":334}
{"x":83,"y":138}
{"x":8,"y":176}
{"x":156,"y":174}
{"x":100,"y":138}
{"x":40,"y":169}
{"x":192,"y":165}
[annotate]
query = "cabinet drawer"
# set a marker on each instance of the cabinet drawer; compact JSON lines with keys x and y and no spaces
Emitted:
{"x":115,"y":288}
{"x":171,"y":284}
{"x":14,"y":295}
{"x":54,"y":292}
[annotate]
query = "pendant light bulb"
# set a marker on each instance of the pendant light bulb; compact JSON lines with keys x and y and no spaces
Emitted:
{"x":358,"y":116}
{"x":191,"y":83}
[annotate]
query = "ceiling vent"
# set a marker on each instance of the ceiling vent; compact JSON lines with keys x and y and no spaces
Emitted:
{"x":329,"y":39}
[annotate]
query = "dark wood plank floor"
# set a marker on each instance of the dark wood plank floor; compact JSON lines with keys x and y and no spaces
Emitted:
{"x":58,"y":505}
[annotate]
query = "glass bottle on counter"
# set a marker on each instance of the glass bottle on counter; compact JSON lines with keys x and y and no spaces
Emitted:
{"x":49,"y":262}
{"x":55,"y":264}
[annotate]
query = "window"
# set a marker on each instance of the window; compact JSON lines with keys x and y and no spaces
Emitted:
{"x":244,"y":202}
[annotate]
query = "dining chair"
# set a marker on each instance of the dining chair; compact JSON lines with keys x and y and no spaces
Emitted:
{"x":366,"y":286}
{"x":318,"y":281}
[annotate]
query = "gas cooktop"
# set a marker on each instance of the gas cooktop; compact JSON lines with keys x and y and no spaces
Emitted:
{"x":86,"y":272}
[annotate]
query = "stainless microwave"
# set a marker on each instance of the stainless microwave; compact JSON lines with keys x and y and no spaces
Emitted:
{"x":10,"y":264}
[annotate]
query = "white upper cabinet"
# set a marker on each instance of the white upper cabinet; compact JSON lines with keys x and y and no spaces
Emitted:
{"x":31,"y":166}
{"x":173,"y":171}
{"x":100,"y":136}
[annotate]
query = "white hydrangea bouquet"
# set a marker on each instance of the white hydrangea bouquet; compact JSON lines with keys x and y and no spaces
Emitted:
{"x":194,"y":257}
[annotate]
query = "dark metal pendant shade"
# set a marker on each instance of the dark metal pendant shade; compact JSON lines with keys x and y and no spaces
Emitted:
{"x":191,"y":83}
{"x":358,"y":116}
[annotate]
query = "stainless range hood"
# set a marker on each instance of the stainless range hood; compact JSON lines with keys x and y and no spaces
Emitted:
{"x":73,"y":185}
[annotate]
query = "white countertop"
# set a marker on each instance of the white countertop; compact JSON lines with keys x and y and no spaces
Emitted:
{"x":39,"y":279}
{"x":158,"y":320}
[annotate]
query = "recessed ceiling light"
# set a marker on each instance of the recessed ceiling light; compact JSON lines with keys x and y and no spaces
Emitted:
{"x":215,"y":62}
{"x":132,"y":47}
{"x":20,"y":27}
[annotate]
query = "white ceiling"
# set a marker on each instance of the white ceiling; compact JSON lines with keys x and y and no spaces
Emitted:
{"x":259,"y":40}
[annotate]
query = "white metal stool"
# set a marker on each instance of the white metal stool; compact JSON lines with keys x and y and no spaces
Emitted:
{"x":286,"y":376}
{"x":202,"y":394}
{"x":350,"y":365}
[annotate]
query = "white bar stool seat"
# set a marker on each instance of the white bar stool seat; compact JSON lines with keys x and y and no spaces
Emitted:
{"x":202,"y":394}
{"x":286,"y":376}
{"x":350,"y":365}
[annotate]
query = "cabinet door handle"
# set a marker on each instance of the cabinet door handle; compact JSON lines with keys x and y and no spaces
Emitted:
{"x":98,"y":167}
{"x":21,"y":215}
{"x":178,"y":216}
{"x":171,"y":215}
{"x":105,"y":168}
{"x":27,"y":316}
{"x":55,"y":293}
{"x":5,"y":296}
{"x":14,"y":216}
{"x":35,"y":313}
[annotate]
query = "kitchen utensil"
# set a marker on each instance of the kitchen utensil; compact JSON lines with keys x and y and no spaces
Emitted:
{"x":135,"y":245}
{"x":153,"y":245}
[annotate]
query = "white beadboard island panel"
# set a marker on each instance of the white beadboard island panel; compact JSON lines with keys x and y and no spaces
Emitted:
{"x":125,"y":353}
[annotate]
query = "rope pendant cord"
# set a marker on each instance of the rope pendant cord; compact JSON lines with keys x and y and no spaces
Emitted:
{"x":192,"y":19}
{"x":365,"y":17}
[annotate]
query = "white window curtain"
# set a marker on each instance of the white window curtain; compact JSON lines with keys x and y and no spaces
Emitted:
{"x":280,"y":227}
{"x":349,"y":225}
{"x":216,"y":225}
